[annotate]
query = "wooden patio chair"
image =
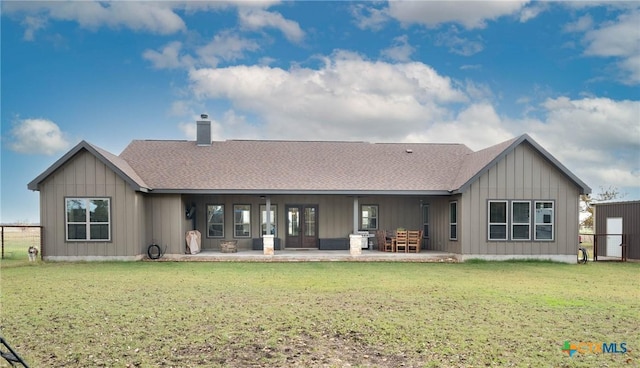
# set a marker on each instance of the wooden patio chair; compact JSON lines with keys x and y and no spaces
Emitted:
{"x":401,"y":241}
{"x":414,"y":241}
{"x":384,"y":243}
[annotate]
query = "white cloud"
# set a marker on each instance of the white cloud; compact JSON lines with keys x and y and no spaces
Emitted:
{"x":154,"y":17}
{"x":471,"y":67}
{"x":582,"y":24}
{"x":347,"y":97}
{"x":368,"y":17}
{"x":614,"y":122}
{"x":225,"y":46}
{"x":478,"y":126}
{"x":470,"y":14}
{"x":632,"y":65}
{"x":180,"y":108}
{"x":598,"y":138}
{"x":401,"y":51}
{"x":32,"y":24}
{"x":478,"y":91}
{"x":158,"y":17}
{"x":253,"y":18}
{"x":37,"y":136}
{"x":169,"y":57}
{"x":188,"y":129}
{"x":619,"y":39}
{"x":458,"y":45}
{"x":532,"y":11}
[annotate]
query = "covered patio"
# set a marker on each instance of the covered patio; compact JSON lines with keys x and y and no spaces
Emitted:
{"x":312,"y":255}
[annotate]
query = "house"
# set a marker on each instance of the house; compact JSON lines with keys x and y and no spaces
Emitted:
{"x":617,"y":223}
{"x":511,"y":200}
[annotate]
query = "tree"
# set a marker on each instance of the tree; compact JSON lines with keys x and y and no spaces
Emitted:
{"x":603,"y":195}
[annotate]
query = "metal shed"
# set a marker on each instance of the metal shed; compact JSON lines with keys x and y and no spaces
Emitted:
{"x":617,"y":223}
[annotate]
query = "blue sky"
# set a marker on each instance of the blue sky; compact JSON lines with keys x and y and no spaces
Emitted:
{"x":478,"y":73}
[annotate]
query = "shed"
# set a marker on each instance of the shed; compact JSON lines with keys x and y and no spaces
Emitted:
{"x":617,"y":223}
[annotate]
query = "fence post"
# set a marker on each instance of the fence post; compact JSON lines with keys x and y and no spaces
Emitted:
{"x":2,"y":231}
{"x":41,"y":242}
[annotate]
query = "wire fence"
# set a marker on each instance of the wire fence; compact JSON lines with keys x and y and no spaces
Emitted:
{"x":17,"y":238}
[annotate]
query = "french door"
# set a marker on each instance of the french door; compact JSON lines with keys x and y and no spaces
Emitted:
{"x":301,"y":226}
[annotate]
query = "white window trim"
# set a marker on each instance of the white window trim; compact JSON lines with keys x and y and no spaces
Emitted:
{"x":235,"y":234}
{"x":553,"y":221}
{"x":87,"y":221}
{"x":425,"y":235}
{"x":370,"y":217}
{"x":505,"y":224}
{"x":456,"y":220}
{"x":274,"y":218}
{"x":514,"y":223}
{"x":209,"y":223}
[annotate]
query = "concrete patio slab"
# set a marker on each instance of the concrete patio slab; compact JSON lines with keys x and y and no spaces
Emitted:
{"x":312,"y":255}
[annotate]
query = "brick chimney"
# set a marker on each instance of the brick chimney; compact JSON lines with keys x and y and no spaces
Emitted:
{"x":203,"y":131}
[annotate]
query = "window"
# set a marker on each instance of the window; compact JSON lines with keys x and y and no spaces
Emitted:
{"x":425,"y":221}
{"x":544,"y":220}
{"x":242,"y":220}
{"x":215,"y":221}
{"x":263,"y":220}
{"x":521,"y":220}
{"x":497,"y":220}
{"x":88,"y":219}
{"x":453,"y":221}
{"x":369,"y":217}
{"x":516,"y":215}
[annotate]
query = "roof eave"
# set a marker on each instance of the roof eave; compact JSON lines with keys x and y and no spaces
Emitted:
{"x":350,"y":192}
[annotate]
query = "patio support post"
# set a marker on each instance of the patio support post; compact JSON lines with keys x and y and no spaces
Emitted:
{"x":267,"y":239}
{"x":355,"y":214}
{"x":355,"y":239}
{"x":268,"y":215}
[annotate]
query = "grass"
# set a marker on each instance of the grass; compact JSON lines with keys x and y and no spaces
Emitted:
{"x":318,"y":314}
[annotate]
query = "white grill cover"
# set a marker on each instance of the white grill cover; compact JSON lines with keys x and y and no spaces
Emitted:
{"x":193,"y":242}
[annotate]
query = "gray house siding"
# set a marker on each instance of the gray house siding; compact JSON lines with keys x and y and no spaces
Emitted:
{"x":523,"y":174}
{"x":165,"y":223}
{"x":86,"y":176}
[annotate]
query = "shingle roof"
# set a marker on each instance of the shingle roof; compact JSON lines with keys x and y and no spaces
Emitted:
{"x":296,"y":166}
{"x":243,"y":166}
{"x":475,"y":162}
{"x":122,"y":165}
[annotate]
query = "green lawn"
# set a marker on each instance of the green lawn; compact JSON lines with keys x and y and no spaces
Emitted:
{"x":318,"y":314}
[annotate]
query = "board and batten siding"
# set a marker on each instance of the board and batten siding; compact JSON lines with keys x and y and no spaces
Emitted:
{"x":523,"y":174}
{"x":166,"y":223}
{"x":86,"y":176}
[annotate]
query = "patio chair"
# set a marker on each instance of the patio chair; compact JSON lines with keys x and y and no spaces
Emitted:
{"x":401,"y":241}
{"x":384,"y":243}
{"x":414,"y":240}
